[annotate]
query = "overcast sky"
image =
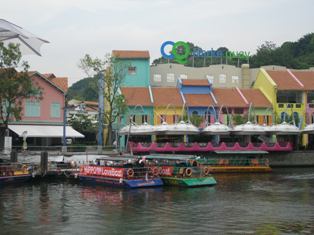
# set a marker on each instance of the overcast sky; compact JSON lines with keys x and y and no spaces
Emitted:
{"x":77,"y":27}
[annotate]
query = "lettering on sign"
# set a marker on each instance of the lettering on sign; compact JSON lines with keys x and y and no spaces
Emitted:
{"x":102,"y":171}
{"x":166,"y":171}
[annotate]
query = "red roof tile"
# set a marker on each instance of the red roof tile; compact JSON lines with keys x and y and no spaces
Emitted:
{"x":284,"y":80}
{"x":198,"y":100}
{"x":229,"y":97}
{"x":256,"y":97}
{"x":61,"y":82}
{"x":136,"y":96}
{"x":195,"y":82}
{"x":164,"y":96}
{"x":306,"y":78}
{"x":124,"y":54}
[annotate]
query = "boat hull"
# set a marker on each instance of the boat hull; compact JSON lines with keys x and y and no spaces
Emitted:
{"x":239,"y":169}
{"x":15,"y":179}
{"x":190,"y":182}
{"x":134,"y":183}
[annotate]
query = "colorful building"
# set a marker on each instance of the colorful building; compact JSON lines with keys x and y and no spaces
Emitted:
{"x":42,"y":119}
{"x":137,"y":64}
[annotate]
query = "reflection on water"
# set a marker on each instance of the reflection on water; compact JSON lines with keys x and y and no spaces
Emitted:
{"x":276,"y":203}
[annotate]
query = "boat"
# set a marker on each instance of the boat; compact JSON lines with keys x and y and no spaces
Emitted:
{"x":236,"y":162}
{"x":14,"y":173}
{"x":179,"y":170}
{"x":119,"y":171}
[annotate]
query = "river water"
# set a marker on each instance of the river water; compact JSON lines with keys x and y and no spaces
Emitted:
{"x":281,"y":202}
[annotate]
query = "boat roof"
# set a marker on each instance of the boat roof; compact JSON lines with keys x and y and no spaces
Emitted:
{"x":241,"y":152}
{"x":170,"y":157}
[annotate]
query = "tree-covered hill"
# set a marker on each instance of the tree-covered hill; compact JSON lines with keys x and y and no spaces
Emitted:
{"x":85,"y":89}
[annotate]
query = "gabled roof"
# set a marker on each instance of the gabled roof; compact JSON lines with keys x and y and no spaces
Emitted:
{"x":136,"y":96}
{"x":61,"y":82}
{"x":32,"y":73}
{"x":306,"y":78}
{"x":284,"y":80}
{"x":256,"y":97}
{"x":198,"y":100}
{"x":229,"y":97}
{"x":164,"y":96}
{"x":128,"y":54}
{"x":195,"y":82}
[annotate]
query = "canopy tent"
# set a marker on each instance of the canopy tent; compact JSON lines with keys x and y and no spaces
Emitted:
{"x":12,"y":33}
{"x":44,"y":131}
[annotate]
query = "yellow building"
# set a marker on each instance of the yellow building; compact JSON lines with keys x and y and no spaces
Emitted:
{"x":168,"y":105}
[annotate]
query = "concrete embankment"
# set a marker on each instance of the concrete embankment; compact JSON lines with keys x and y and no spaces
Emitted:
{"x":276,"y":159}
{"x":292,"y":159}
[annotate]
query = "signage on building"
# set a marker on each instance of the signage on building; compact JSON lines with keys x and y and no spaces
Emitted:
{"x":181,"y":51}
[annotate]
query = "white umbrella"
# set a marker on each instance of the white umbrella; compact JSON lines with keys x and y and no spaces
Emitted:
{"x":249,"y":129}
{"x":144,"y":129}
{"x":12,"y":33}
{"x":309,"y":129}
{"x":182,"y":128}
{"x":286,"y":129}
{"x":162,"y":128}
{"x":216,"y":129}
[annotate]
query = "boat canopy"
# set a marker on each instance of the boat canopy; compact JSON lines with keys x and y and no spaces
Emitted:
{"x":170,"y":157}
{"x":249,"y":128}
{"x":216,"y":129}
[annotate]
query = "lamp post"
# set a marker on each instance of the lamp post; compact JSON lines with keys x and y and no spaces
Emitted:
{"x":101,"y":84}
{"x":64,"y":141}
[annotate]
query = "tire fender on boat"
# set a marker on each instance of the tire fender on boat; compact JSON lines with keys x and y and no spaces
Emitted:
{"x":205,"y":170}
{"x":188,"y":172}
{"x":155,"y":171}
{"x":130,"y":172}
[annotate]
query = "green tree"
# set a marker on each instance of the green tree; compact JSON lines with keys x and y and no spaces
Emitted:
{"x":114,"y":74}
{"x":14,"y":86}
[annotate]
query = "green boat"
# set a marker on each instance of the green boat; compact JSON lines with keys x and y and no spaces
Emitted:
{"x":179,"y":170}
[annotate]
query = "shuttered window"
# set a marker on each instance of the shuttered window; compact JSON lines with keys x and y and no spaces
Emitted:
{"x":55,"y":110}
{"x":32,"y":108}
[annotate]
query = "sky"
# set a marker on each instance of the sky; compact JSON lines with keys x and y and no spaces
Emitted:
{"x":96,"y":27}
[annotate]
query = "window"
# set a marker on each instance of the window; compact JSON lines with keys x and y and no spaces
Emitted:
{"x":310,"y":97}
{"x":157,"y":78}
{"x":284,"y":117}
{"x":183,"y":76}
{"x":163,"y":118}
{"x":55,"y":110}
{"x":238,"y":110}
{"x":289,"y":97}
{"x":144,"y":118}
{"x":222,"y":78}
{"x":32,"y":108}
{"x":132,"y":70}
{"x":210,"y":78}
{"x":235,"y":79}
{"x":170,"y":77}
{"x":175,"y":118}
{"x":194,"y":113}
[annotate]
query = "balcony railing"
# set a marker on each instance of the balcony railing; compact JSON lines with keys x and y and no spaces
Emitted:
{"x":208,"y":147}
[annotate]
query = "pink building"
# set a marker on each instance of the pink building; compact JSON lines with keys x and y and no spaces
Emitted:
{"x":42,"y":119}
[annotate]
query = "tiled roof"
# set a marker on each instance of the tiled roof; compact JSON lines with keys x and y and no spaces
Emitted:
{"x":136,"y":96}
{"x":229,"y":97}
{"x":195,"y":82}
{"x":198,"y":100}
{"x":49,"y":75}
{"x":256,"y":97}
{"x":284,"y":80}
{"x":61,"y":82}
{"x":164,"y":96}
{"x":124,"y":54}
{"x":306,"y":78}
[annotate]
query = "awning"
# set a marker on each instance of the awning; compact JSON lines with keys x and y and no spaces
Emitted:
{"x":45,"y":131}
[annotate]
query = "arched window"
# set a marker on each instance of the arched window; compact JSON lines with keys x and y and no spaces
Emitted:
{"x":194,"y":113}
{"x":296,"y":118}
{"x":284,"y":117}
